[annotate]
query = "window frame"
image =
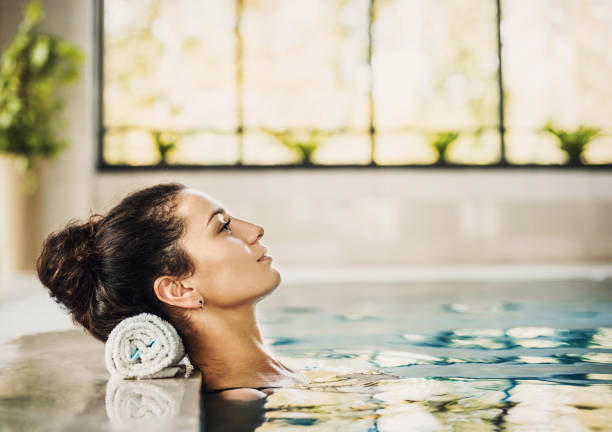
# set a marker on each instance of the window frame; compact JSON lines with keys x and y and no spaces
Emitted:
{"x":502,"y":163}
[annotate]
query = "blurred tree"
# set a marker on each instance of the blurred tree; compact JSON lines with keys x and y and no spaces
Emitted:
{"x":573,"y":142}
{"x":305,"y":147}
{"x":165,"y":142}
{"x":441,"y":141}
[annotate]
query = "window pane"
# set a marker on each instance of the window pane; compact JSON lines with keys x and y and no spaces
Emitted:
{"x":261,"y":148}
{"x":436,"y":71}
{"x":131,"y":147}
{"x":557,"y":66}
{"x":169,"y":65}
{"x":403,"y":148}
{"x":479,"y":148}
{"x":344,"y":149}
{"x":418,"y":148}
{"x":305,"y":65}
{"x":205,"y":149}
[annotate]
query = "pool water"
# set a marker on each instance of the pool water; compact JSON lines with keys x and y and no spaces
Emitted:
{"x":529,"y":356}
{"x":462,"y":356}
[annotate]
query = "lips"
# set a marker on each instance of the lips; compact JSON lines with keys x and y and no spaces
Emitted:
{"x":263,"y":255}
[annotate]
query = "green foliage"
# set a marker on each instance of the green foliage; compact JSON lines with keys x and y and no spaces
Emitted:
{"x":165,"y":142}
{"x":441,"y":141}
{"x":305,"y":146}
{"x":32,"y":69}
{"x":572,"y":142}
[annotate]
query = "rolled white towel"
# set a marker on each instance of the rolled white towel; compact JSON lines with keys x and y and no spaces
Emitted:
{"x":144,"y":346}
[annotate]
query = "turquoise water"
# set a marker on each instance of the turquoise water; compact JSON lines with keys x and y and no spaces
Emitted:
{"x":469,"y":356}
{"x":448,"y":357}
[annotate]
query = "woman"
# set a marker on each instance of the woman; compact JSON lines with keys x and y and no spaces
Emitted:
{"x":174,"y":252}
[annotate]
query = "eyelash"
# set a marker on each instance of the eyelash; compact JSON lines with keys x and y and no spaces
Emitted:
{"x":226,"y":225}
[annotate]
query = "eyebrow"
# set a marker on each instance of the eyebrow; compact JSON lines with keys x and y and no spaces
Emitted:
{"x":214,"y":213}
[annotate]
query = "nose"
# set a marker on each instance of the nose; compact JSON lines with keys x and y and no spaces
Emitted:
{"x":259,"y":232}
{"x":248,"y":231}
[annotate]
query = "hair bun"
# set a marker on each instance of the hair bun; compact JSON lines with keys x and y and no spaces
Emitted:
{"x":83,"y":242}
{"x":67,"y":267}
{"x":85,"y":251}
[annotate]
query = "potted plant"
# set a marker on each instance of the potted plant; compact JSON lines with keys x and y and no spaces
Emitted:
{"x":572,"y":142}
{"x":33,"y":68}
{"x":441,"y":142}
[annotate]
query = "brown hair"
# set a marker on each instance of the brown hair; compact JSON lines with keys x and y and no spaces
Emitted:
{"x":103,"y":270}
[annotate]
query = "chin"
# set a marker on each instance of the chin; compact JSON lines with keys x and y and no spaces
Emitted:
{"x":277,"y":279}
{"x":272,"y":286}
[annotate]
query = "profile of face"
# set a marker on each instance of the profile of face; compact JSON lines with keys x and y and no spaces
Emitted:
{"x":225,"y":251}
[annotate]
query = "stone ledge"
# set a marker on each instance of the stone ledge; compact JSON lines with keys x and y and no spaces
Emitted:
{"x":58,"y":381}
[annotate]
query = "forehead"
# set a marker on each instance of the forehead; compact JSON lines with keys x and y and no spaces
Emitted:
{"x":194,"y":202}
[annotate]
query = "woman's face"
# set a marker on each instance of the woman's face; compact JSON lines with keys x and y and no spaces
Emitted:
{"x":227,"y":270}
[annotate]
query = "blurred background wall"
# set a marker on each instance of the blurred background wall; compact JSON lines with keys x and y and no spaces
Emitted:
{"x":333,"y":218}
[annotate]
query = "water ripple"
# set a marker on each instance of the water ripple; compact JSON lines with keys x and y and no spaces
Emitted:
{"x":527,"y":337}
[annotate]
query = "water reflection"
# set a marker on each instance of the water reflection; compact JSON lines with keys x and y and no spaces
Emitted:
{"x":129,"y":402}
{"x":218,"y":414}
{"x":478,"y":308}
{"x":382,"y":402}
{"x":527,"y":337}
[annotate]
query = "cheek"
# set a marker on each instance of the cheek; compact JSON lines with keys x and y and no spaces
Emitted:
{"x":218,"y":255}
{"x":234,"y":285}
{"x":230,"y":275}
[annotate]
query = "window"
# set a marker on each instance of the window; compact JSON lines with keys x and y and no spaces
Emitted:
{"x":557,"y":66}
{"x":333,"y":83}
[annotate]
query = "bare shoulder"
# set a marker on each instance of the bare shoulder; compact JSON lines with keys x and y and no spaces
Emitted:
{"x":245,"y":394}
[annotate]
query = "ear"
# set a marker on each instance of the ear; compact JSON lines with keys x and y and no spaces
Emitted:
{"x":170,"y":291}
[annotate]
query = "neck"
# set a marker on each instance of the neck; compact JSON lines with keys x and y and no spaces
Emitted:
{"x":226,"y":345}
